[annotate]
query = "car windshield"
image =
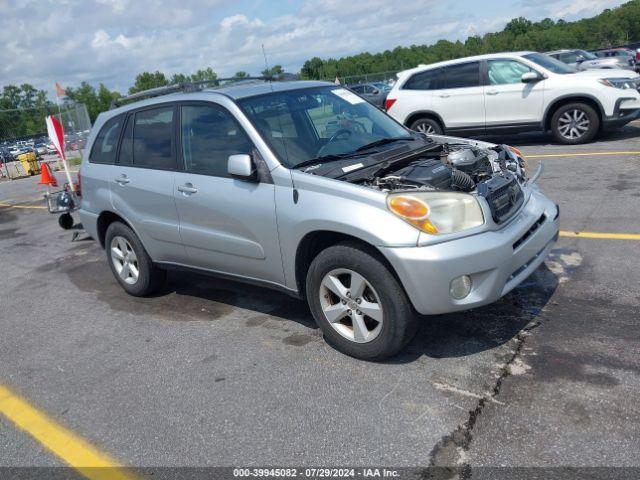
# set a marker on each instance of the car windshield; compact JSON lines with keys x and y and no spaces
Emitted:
{"x":550,"y":63}
{"x":587,"y":55}
{"x":307,"y":124}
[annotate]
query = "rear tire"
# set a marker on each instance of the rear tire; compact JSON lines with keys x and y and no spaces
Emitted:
{"x":358,"y":304}
{"x":65,"y":221}
{"x":427,"y":125}
{"x":129,"y":262}
{"x":575,"y":123}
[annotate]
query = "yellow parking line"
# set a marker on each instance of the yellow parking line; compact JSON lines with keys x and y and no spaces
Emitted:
{"x":610,"y":236}
{"x":75,"y":451}
{"x":8,"y":205}
{"x":591,"y":154}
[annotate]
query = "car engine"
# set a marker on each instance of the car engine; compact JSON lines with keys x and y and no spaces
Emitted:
{"x":459,"y":167}
{"x":496,"y":174}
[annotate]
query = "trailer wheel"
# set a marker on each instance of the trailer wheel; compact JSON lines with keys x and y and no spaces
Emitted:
{"x":65,"y":221}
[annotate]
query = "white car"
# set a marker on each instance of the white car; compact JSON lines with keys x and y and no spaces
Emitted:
{"x":514,"y":92}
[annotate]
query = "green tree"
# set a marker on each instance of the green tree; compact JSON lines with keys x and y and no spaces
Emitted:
{"x":148,"y":80}
{"x":276,"y":72}
{"x":240,"y":75}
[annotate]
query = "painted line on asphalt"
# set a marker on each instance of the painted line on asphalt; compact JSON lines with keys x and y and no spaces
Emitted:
{"x":601,"y":235}
{"x":75,"y":451}
{"x":9,"y":205}
{"x":553,"y":155}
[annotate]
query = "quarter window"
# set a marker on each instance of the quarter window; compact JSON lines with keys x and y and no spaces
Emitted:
{"x":463,"y":75}
{"x":209,"y":136}
{"x":106,"y":143}
{"x":427,"y":80}
{"x":153,"y":138}
{"x":502,"y":72}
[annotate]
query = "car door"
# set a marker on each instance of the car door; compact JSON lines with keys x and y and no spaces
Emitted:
{"x":508,"y":101}
{"x":226,"y":224}
{"x":142,"y":181}
{"x":459,"y":98}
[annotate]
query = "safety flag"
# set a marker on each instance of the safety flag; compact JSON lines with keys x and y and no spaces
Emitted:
{"x":60,"y":92}
{"x":56,"y":134}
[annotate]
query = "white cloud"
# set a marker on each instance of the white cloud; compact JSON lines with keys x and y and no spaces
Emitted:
{"x":112,"y":40}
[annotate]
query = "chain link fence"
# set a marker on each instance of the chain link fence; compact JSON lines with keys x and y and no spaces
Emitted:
{"x":22,"y":129}
{"x":383,"y":77}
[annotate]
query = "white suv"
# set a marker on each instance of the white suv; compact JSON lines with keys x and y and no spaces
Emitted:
{"x":514,"y":92}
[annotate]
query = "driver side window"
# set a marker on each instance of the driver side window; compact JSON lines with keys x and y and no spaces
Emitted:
{"x":209,"y":136}
{"x":503,"y":72}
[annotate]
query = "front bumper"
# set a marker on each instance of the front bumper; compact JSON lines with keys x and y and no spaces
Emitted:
{"x":497,"y":261}
{"x":626,"y":109}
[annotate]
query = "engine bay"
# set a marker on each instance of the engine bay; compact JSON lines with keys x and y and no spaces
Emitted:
{"x":452,"y":167}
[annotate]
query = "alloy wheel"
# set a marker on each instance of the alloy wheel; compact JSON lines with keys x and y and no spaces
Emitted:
{"x":425,"y":128}
{"x":351,"y":305}
{"x":124,"y":260}
{"x":573,"y":124}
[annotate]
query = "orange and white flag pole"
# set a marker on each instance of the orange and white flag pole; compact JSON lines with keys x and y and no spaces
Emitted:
{"x":56,"y":135}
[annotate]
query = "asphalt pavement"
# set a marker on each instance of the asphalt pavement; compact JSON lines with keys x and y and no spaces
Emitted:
{"x":214,"y":373}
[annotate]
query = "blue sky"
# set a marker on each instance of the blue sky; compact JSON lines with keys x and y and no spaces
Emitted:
{"x":110,"y":41}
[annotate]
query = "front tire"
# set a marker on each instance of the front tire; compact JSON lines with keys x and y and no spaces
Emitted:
{"x":575,"y":123}
{"x":129,"y":262}
{"x":428,"y":126}
{"x":358,"y":304}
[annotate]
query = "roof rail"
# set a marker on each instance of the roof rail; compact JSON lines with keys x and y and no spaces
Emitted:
{"x":186,"y":87}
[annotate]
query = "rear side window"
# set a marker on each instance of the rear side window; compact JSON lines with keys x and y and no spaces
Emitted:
{"x":153,"y":138}
{"x":463,"y":75}
{"x":427,"y":80}
{"x":209,"y":135}
{"x":106,"y":143}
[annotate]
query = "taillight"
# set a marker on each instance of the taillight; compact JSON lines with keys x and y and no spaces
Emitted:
{"x":638,"y":56}
{"x":388,"y":103}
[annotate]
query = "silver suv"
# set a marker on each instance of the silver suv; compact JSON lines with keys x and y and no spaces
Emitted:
{"x":307,"y":188}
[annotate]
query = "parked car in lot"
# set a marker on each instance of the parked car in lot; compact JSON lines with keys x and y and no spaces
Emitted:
{"x":369,"y":223}
{"x":370,"y":92}
{"x":583,"y":60}
{"x":624,"y":55}
{"x":514,"y":92}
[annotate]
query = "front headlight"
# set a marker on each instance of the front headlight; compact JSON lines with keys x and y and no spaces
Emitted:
{"x":437,"y":212}
{"x":622,"y":83}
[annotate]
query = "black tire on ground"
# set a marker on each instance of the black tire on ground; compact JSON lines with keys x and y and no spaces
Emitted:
{"x":427,"y":125}
{"x":150,"y":277}
{"x":587,"y":117}
{"x":65,"y":221}
{"x":399,"y":320}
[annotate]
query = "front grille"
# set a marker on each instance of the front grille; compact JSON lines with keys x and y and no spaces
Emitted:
{"x":530,"y":232}
{"x":503,"y":194}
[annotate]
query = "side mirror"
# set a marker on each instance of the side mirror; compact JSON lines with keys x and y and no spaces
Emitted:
{"x":530,"y":77}
{"x":376,"y":91}
{"x":580,"y":59}
{"x":241,"y":166}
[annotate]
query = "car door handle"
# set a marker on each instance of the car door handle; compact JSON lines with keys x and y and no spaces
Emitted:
{"x":492,"y":92}
{"x":444,"y":95}
{"x":122,"y":179}
{"x":187,"y":189}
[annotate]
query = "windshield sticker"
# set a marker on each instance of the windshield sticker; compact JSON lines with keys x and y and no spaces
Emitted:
{"x":350,"y":97}
{"x":350,"y":168}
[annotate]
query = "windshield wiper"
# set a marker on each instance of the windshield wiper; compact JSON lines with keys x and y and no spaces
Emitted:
{"x":328,"y":158}
{"x":382,"y":141}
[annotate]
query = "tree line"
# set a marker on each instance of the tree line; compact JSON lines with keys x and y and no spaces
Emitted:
{"x":22,"y":108}
{"x":611,"y":27}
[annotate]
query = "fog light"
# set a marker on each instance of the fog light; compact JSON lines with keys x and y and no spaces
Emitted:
{"x":460,"y":287}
